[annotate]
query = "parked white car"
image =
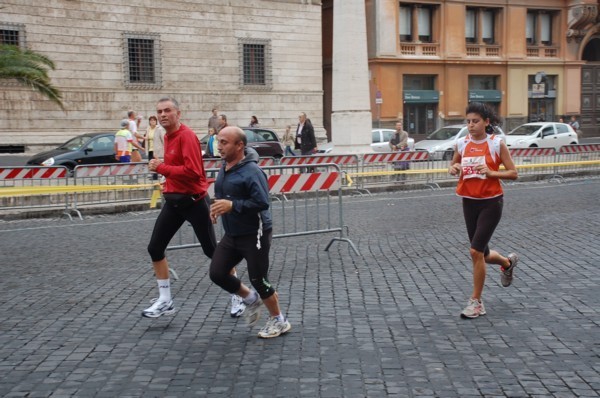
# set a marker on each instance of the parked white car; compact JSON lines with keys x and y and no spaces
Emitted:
{"x":542,"y":135}
{"x":380,"y":141}
{"x":440,"y":144}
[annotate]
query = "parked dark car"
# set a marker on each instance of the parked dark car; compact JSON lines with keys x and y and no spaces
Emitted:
{"x":91,"y":148}
{"x":264,"y":141}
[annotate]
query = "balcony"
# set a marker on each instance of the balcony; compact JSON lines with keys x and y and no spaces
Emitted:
{"x":420,"y":49}
{"x":483,"y":50}
{"x":542,"y":52}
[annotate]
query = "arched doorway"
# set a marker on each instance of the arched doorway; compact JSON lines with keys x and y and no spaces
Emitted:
{"x":590,"y":88}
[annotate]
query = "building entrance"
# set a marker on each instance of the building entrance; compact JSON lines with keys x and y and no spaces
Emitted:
{"x":419,"y":118}
{"x":590,"y":89}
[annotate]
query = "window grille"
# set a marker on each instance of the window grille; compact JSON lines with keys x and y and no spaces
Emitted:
{"x":10,"y":37}
{"x":142,"y":61}
{"x":255,"y":64}
{"x":12,"y":34}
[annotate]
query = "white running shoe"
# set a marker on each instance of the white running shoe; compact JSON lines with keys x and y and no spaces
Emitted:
{"x":237,"y":306}
{"x":473,"y":309}
{"x":274,"y":328}
{"x":252,"y":312}
{"x":159,"y":308}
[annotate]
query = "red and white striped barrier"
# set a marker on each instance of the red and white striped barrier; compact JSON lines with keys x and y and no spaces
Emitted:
{"x":395,"y":157}
{"x":116,"y":169}
{"x":217,"y":162}
{"x":580,"y":148}
{"x":319,"y":159}
{"x":306,"y":182}
{"x":294,"y":183}
{"x":522,"y":152}
{"x":26,"y":173}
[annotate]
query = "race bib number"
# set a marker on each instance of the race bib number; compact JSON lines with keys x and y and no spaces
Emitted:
{"x":469,"y":167}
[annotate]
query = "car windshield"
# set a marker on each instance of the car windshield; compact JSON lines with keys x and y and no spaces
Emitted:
{"x":525,"y":130}
{"x":260,"y":135}
{"x":75,"y":143}
{"x":445,"y":133}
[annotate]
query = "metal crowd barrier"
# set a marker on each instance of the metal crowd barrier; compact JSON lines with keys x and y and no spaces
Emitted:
{"x":392,"y":168}
{"x":124,"y":182}
{"x":313,"y":206}
{"x":578,"y":158}
{"x":18,"y":185}
{"x":348,"y":163}
{"x":527,"y":159}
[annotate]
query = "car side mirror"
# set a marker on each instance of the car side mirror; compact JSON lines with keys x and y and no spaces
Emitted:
{"x":88,"y":149}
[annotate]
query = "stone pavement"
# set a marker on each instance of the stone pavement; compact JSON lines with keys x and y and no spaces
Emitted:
{"x":385,"y":323}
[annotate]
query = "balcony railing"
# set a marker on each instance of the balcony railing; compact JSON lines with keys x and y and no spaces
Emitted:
{"x":483,"y":50}
{"x":420,"y":49}
{"x":542,"y":52}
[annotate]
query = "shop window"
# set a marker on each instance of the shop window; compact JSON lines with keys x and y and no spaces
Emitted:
{"x":483,"y":82}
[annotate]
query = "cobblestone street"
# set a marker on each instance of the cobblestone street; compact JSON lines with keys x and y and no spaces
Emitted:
{"x":382,"y":323}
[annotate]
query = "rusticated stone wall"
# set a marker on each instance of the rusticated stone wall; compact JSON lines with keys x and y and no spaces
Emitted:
{"x":199,"y":62}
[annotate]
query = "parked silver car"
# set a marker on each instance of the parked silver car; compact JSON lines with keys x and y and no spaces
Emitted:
{"x":440,"y":144}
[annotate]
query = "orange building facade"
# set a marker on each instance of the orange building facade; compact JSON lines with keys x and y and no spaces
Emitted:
{"x":535,"y":60}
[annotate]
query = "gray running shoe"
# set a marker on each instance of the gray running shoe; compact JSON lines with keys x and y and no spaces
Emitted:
{"x":274,"y":328}
{"x":159,"y":308}
{"x":507,"y":274}
{"x":252,"y":312}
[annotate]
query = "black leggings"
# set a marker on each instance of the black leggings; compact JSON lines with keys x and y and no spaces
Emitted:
{"x":482,"y":217}
{"x":171,"y":219}
{"x":231,"y":250}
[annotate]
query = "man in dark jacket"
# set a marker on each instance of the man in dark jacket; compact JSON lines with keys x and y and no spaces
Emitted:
{"x":305,"y":136}
{"x":242,"y":202}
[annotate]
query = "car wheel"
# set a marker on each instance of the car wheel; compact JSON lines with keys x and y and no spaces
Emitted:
{"x":533,"y":146}
{"x":448,"y":155}
{"x":573,"y":143}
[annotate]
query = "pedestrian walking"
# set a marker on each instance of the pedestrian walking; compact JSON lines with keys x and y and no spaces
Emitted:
{"x":288,"y":141}
{"x":186,"y":199}
{"x":305,"y":136}
{"x":477,"y":159}
{"x":242,"y":202}
{"x":124,"y":142}
{"x":213,"y":121}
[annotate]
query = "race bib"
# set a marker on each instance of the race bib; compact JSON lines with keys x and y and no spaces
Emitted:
{"x":469,"y":165}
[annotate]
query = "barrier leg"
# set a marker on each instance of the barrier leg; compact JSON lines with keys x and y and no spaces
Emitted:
{"x":343,"y":240}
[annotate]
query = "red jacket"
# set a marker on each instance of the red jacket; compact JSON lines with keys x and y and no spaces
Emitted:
{"x":183,"y":167}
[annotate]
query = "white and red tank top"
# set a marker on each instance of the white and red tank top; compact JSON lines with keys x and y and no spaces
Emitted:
{"x":474,"y":153}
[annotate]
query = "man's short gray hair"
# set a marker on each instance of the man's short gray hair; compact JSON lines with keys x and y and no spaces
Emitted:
{"x":173,"y":101}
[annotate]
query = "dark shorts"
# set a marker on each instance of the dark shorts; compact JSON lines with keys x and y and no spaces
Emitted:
{"x":482,"y":218}
{"x":125,"y":159}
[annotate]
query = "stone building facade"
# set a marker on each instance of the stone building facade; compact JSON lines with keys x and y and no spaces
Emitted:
{"x":534,"y":60}
{"x":245,"y":57}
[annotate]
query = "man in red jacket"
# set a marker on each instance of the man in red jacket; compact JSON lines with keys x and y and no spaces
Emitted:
{"x":186,"y":198}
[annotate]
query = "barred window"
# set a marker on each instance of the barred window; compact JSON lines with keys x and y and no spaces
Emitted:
{"x":12,"y":34}
{"x":142,"y":59}
{"x":10,"y":37}
{"x":255,"y":62}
